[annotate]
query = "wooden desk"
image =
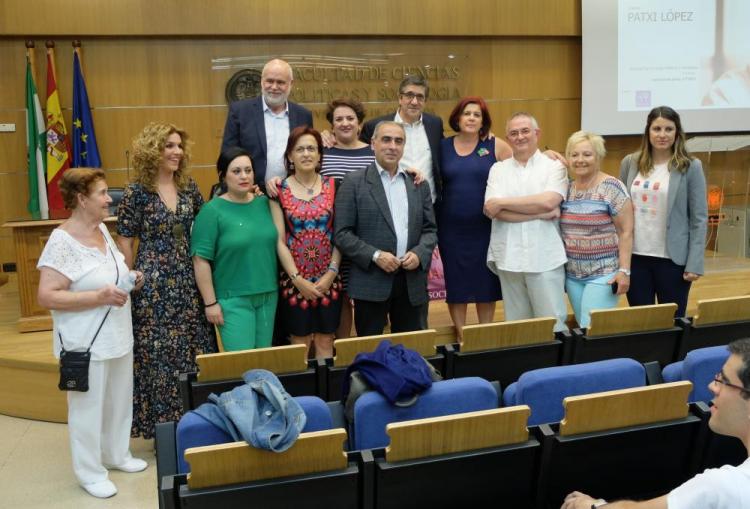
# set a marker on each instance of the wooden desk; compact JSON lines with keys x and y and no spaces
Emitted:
{"x":29,"y":237}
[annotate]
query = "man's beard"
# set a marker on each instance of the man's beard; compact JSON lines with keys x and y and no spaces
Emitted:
{"x":279,"y":100}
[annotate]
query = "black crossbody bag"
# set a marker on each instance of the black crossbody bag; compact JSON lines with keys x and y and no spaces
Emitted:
{"x":74,"y":366}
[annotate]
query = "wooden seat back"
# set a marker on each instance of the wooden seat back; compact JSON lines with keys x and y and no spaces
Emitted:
{"x":607,"y":322}
{"x":488,"y":336}
{"x":231,"y":365}
{"x":456,"y":433}
{"x":422,"y":341}
{"x":724,"y":310}
{"x":237,"y":462}
{"x":625,"y":407}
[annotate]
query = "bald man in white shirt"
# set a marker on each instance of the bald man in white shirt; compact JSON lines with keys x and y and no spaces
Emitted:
{"x":526,"y":251}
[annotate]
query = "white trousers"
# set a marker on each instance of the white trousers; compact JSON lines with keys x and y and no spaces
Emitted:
{"x":99,"y":420}
{"x":535,"y":295}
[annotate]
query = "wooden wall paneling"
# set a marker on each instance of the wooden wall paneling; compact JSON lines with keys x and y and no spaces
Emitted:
{"x":116,"y":129}
{"x":205,"y":178}
{"x":274,"y":17}
{"x":617,"y":148}
{"x":537,"y":68}
{"x":13,"y":76}
{"x":13,"y":145}
{"x":13,"y":197}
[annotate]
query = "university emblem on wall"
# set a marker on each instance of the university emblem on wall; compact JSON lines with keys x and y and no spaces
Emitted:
{"x":245,"y":84}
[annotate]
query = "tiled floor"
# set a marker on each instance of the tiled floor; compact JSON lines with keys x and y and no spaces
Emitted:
{"x":36,"y":472}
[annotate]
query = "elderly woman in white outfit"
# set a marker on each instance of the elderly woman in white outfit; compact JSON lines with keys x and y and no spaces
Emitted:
{"x":80,"y":270}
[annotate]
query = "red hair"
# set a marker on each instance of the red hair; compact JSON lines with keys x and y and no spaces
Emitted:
{"x":459,"y":110}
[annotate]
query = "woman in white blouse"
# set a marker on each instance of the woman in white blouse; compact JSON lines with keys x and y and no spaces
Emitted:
{"x":668,"y":190}
{"x":80,"y":271}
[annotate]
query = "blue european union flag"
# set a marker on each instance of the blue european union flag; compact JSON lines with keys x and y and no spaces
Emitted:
{"x":85,"y":150}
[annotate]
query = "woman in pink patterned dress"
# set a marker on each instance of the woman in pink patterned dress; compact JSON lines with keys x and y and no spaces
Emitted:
{"x":310,"y":300}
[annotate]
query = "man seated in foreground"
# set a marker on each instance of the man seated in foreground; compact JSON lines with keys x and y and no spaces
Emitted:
{"x":727,"y":487}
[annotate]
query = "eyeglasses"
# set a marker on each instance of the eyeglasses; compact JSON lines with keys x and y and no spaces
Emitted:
{"x":518,"y":132}
{"x":410,"y":96}
{"x":720,"y":379}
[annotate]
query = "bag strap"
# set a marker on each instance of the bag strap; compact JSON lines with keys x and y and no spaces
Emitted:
{"x":96,"y":334}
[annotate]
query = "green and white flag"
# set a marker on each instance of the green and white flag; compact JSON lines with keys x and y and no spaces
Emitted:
{"x":36,"y":141}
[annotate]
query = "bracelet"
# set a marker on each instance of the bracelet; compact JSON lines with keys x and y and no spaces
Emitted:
{"x":333,"y":269}
{"x":294,"y":276}
{"x":206,"y":306}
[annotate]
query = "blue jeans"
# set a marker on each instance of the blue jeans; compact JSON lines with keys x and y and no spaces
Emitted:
{"x":588,"y":294}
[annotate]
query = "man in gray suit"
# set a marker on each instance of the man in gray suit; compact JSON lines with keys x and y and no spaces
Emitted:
{"x":386,"y":226}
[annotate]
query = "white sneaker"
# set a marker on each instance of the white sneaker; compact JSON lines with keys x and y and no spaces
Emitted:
{"x":101,"y":489}
{"x":131,"y":466}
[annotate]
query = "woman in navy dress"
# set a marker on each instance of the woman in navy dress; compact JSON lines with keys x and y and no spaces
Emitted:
{"x":464,"y":229}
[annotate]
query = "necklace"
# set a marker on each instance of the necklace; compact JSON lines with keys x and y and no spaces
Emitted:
{"x":579,"y":193}
{"x":311,"y":189}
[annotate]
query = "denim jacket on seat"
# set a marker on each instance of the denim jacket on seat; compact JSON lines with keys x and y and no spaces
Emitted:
{"x":260,"y":412}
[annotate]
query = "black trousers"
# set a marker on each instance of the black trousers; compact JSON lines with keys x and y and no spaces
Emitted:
{"x":370,"y":317}
{"x":653,"y":279}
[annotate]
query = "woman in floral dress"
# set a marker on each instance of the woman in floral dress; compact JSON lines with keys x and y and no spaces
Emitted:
{"x":310,"y":299}
{"x":169,"y":325}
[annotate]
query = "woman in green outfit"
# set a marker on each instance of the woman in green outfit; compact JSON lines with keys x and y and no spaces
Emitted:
{"x":234,"y":254}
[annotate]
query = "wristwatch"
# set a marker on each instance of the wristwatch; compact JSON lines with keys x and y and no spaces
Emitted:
{"x":624,"y":271}
{"x":598,"y":503}
{"x":375,"y":255}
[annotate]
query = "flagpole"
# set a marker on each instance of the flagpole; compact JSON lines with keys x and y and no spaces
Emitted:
{"x":51,"y":53}
{"x":32,"y":60}
{"x":77,"y":49}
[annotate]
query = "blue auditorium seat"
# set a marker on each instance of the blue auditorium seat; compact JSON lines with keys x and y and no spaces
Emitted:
{"x":194,"y":430}
{"x":699,"y":367}
{"x":544,"y":389}
{"x":372,"y":412}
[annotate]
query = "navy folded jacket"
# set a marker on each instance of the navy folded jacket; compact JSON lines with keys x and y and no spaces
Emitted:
{"x":396,"y":372}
